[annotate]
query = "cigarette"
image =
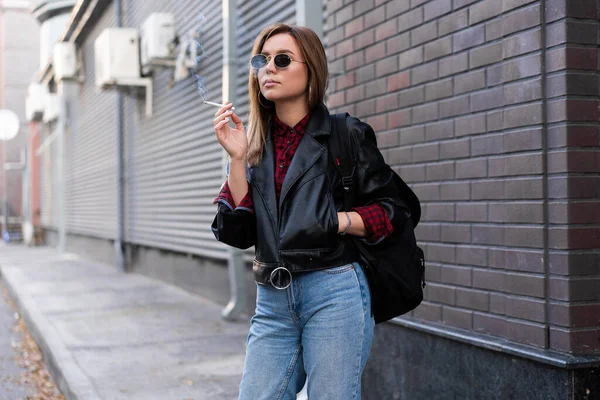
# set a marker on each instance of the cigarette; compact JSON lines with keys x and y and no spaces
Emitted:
{"x":212,"y":103}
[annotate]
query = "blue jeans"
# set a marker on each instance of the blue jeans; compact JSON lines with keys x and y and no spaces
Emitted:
{"x":320,"y":328}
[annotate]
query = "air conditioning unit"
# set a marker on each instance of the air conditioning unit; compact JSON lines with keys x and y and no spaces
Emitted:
{"x":157,"y":40}
{"x":64,"y":60}
{"x":51,"y":107}
{"x":35,"y":102}
{"x":117,"y":55}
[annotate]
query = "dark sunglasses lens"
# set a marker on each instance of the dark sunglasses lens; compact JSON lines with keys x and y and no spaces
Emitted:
{"x":258,"y":61}
{"x":282,"y":60}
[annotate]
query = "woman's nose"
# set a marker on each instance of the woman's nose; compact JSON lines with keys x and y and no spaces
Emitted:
{"x":270,"y":65}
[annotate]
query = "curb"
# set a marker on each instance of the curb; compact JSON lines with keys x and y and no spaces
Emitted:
{"x":73,"y":383}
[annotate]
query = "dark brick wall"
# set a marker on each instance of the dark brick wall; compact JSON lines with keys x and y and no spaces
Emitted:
{"x":506,"y":164}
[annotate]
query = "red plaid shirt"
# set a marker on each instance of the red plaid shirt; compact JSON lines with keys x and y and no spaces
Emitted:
{"x":286,"y":141}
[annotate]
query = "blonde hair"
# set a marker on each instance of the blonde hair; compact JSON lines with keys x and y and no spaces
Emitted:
{"x":261,"y":109}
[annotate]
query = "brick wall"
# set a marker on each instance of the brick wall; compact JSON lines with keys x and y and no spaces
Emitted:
{"x":505,"y":166}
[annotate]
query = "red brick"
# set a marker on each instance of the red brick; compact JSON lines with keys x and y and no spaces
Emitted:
{"x":378,"y":123}
{"x":440,"y":293}
{"x":488,"y":279}
{"x":375,"y":17}
{"x":410,"y":19}
{"x":574,"y":315}
{"x":455,"y":233}
{"x":343,"y":15}
{"x":439,"y":130}
{"x":353,"y":27}
{"x":354,"y":60}
{"x":472,"y":299}
{"x":526,"y":332}
{"x":375,"y":52}
{"x":491,"y":324}
{"x":460,"y":276}
{"x":437,"y":8}
{"x":344,"y":48}
{"x":468,"y":38}
{"x":398,"y":81}
{"x":386,"y":103}
{"x":471,"y":212}
{"x":484,"y":10}
{"x":413,"y":134}
{"x":438,"y":212}
{"x":453,"y":22}
{"x":579,"y":342}
{"x":355,"y":94}
{"x":386,"y":66}
{"x":364,"y":39}
{"x":399,"y":118}
{"x":398,"y":43}
{"x":525,"y":308}
{"x":440,"y":171}
{"x":458,"y":318}
{"x":521,"y":19}
{"x":426,"y":152}
{"x":428,"y":312}
{"x":385,"y":30}
{"x":394,"y":8}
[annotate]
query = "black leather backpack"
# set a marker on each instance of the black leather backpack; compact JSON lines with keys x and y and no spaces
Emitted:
{"x":395,"y":267}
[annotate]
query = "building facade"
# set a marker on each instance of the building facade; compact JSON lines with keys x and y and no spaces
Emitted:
{"x":488,"y":108}
{"x":19,"y":49}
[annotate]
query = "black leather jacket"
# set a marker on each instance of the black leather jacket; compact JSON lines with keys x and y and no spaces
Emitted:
{"x":299,"y":232}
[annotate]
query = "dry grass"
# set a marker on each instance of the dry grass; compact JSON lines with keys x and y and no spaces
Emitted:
{"x":29,"y":357}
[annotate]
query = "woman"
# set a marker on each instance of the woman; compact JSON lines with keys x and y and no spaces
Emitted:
{"x":284,"y":196}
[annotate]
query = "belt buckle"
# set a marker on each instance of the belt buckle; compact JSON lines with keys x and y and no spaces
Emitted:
{"x":273,"y":283}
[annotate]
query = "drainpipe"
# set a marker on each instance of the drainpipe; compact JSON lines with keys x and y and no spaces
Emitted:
{"x":546,"y":209}
{"x":60,"y":166}
{"x":309,"y":13}
{"x":120,"y":258}
{"x":237,"y":301}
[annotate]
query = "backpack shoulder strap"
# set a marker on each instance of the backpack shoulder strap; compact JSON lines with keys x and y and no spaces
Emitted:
{"x":340,"y":149}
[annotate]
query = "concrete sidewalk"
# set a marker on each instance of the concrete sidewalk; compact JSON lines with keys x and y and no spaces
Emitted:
{"x":107,"y":335}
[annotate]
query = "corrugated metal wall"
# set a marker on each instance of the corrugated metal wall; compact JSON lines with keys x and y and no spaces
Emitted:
{"x":91,"y":177}
{"x":174,"y":163}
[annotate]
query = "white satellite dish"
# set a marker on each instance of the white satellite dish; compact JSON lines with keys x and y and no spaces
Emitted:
{"x":9,"y":124}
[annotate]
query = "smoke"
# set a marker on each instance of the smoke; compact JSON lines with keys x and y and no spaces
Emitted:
{"x":198,"y":54}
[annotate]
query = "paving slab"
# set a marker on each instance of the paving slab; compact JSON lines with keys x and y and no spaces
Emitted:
{"x":109,"y":335}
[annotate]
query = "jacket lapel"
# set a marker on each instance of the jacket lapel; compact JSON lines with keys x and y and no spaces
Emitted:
{"x":263,"y":177}
{"x":309,"y":150}
{"x":307,"y":154}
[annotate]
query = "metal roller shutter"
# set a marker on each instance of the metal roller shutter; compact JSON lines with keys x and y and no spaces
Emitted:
{"x":173,"y":166}
{"x":91,"y":175}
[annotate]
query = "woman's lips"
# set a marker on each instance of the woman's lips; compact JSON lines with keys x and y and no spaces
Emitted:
{"x":270,"y":83}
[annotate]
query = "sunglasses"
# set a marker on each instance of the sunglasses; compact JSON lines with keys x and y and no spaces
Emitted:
{"x":281,"y":61}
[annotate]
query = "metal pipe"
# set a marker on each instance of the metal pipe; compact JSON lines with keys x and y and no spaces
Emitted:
{"x":546,"y":209}
{"x":309,"y":13}
{"x":119,"y":251}
{"x":60,"y":166}
{"x":237,"y":301}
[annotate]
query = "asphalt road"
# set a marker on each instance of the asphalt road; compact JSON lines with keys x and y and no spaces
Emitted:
{"x":10,"y":372}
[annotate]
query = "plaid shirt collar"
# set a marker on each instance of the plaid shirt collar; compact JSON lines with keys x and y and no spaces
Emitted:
{"x":300,"y":128}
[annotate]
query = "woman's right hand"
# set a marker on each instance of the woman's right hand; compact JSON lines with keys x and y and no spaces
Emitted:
{"x":233,"y":140}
